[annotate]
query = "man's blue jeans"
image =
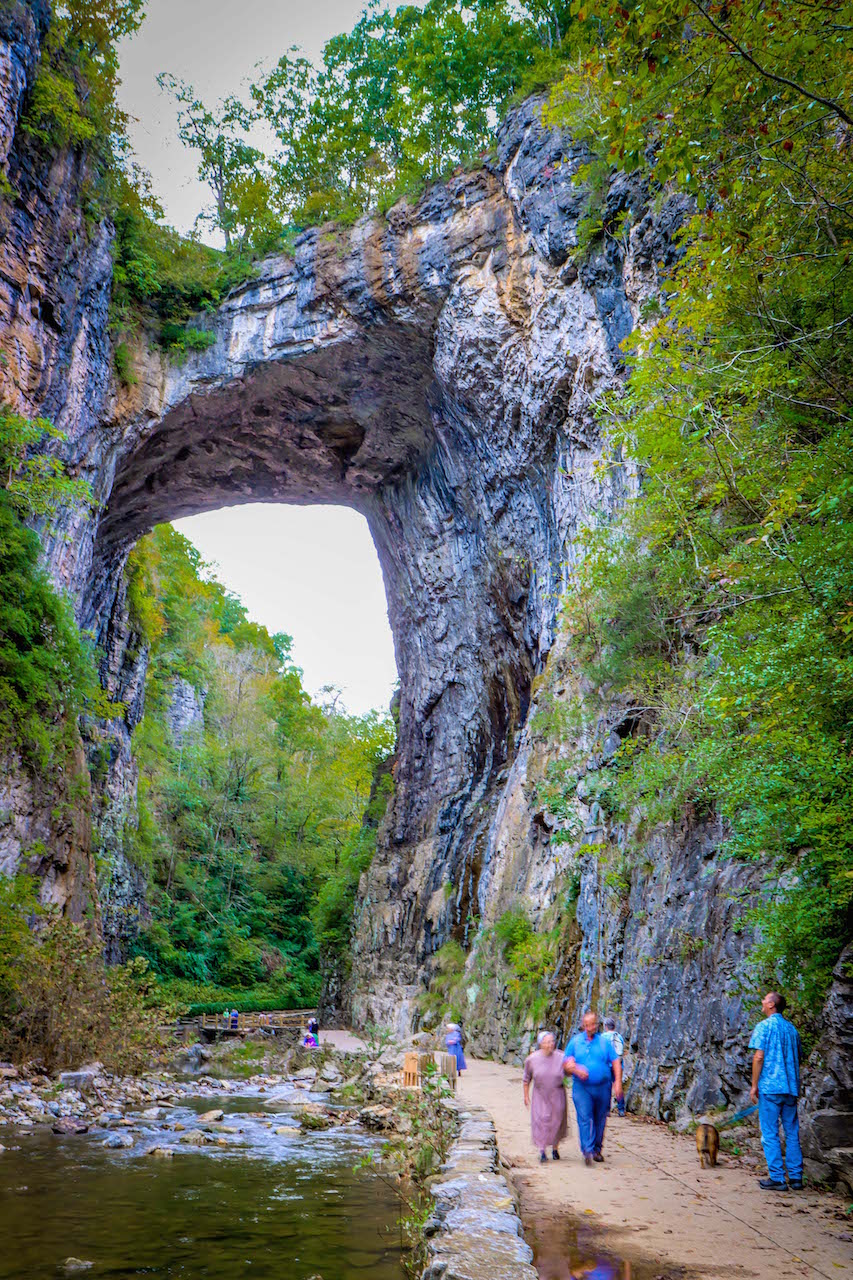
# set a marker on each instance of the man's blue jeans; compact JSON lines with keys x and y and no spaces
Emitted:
{"x":592,"y":1103}
{"x":773,"y":1108}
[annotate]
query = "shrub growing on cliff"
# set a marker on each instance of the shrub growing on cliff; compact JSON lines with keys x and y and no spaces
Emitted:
{"x":73,"y":99}
{"x":47,"y":672}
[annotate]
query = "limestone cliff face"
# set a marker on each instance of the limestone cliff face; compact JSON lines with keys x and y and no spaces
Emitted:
{"x":54,"y":292}
{"x":436,"y":369}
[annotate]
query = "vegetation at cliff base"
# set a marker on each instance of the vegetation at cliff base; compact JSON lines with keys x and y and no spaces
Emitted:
{"x":58,"y":1006}
{"x":257,"y":818}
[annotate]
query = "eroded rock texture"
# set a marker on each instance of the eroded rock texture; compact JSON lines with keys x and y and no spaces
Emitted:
{"x":435,"y":369}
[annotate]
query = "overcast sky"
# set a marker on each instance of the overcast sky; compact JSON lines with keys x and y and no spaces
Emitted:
{"x":309,"y":571}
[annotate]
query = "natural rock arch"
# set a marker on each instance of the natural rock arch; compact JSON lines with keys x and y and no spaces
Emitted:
{"x":435,"y":370}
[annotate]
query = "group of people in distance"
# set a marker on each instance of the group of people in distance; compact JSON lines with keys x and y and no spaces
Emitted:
{"x":593,"y":1060}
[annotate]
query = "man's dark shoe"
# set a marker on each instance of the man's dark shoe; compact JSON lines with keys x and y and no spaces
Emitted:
{"x":768,"y":1184}
{"x":555,"y":1153}
{"x":587,"y":1160}
{"x":796,"y":1184}
{"x":598,"y":1158}
{"x":542,"y":1157}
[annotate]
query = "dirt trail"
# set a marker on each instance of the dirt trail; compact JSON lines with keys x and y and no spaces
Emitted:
{"x":650,"y":1201}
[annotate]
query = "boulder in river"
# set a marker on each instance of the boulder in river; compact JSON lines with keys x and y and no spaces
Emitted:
{"x":212,"y":1117}
{"x":162,"y":1153}
{"x":381,"y":1118}
{"x":194,"y":1138}
{"x":309,"y":1122}
{"x":70,"y":1124}
{"x":118,"y":1141}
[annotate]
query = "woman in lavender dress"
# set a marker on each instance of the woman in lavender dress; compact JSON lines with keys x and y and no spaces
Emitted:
{"x":548,"y":1115}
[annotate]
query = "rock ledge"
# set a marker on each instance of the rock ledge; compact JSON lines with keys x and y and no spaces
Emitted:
{"x":475,"y":1232}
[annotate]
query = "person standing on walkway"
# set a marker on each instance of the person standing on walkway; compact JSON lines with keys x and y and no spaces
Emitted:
{"x":548,"y":1119}
{"x":776,"y":1088}
{"x":453,"y":1041}
{"x":610,"y":1033}
{"x":597,"y":1073}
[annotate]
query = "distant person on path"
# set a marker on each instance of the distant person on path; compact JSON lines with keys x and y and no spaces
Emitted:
{"x":597,"y":1075}
{"x":453,"y":1040}
{"x":776,"y":1088}
{"x":548,"y":1119}
{"x":235,"y":1019}
{"x":610,"y":1033}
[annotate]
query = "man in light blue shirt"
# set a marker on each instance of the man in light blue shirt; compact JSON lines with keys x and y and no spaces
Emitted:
{"x":597,"y":1070}
{"x":776,"y":1088}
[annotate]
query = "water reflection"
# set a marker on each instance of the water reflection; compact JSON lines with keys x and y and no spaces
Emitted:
{"x":567,"y":1250}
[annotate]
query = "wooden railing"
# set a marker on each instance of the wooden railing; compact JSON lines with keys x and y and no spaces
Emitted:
{"x":416,"y":1065}
{"x":275,"y":1020}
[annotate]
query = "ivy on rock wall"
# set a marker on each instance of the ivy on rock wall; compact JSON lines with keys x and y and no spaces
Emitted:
{"x":47,"y":669}
{"x":722,"y":598}
{"x":252,"y":813}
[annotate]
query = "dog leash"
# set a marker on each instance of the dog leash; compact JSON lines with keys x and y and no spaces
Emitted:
{"x":738,"y":1115}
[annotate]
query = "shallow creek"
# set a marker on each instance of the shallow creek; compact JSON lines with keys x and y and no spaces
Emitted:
{"x":283,"y":1205}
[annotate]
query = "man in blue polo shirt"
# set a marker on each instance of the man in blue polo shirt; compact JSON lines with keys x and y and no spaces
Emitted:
{"x":597,"y":1072}
{"x":776,"y":1087}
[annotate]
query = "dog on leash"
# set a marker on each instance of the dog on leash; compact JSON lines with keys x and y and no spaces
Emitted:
{"x":707,"y":1144}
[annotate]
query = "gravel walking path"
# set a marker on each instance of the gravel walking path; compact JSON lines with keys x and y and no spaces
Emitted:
{"x":651,"y":1202}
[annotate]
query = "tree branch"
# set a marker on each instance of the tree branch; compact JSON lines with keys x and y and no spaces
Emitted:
{"x":829,"y":103}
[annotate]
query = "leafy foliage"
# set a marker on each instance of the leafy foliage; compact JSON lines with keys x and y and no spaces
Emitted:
{"x":57,"y":1002}
{"x":73,"y":100}
{"x":47,"y":672}
{"x":254,"y":825}
{"x":401,"y":99}
{"x":721,"y":597}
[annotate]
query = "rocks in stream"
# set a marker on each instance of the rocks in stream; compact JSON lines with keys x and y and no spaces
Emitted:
{"x":118,"y":1141}
{"x":196,"y":1138}
{"x":121,"y":1110}
{"x":70,"y":1125}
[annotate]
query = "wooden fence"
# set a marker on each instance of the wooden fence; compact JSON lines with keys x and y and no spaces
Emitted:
{"x":214,"y":1025}
{"x":415,"y":1064}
